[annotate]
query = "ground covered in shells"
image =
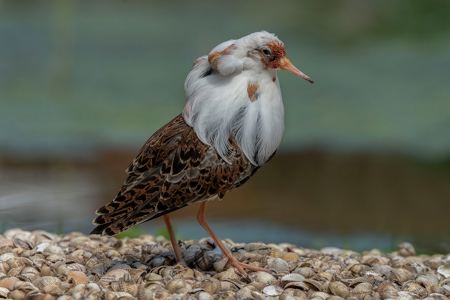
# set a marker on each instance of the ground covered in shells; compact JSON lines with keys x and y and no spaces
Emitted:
{"x":42,"y":265}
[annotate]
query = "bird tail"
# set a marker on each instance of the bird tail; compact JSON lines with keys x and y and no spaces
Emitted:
{"x":121,"y":213}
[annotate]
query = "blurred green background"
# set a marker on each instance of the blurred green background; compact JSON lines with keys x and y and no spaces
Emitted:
{"x":365,"y":158}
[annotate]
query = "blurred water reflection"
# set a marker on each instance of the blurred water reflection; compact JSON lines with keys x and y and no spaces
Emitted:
{"x":310,"y":198}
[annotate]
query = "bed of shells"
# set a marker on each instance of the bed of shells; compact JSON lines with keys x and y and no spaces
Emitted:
{"x":41,"y":265}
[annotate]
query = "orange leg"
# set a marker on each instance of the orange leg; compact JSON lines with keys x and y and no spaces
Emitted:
{"x":173,"y":240}
{"x":231,"y":259}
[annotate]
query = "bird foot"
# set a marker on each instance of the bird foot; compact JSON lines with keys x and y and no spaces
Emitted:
{"x":240,"y":266}
{"x":183,"y":264}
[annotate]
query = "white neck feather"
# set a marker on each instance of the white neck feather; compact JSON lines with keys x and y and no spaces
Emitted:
{"x":219,"y":107}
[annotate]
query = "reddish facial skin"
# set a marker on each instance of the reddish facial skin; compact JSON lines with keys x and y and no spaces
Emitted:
{"x":278,"y":60}
{"x":278,"y":52}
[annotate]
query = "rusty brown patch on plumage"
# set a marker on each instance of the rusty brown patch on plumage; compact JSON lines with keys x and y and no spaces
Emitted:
{"x":149,"y":191}
{"x":197,"y":61}
{"x":278,"y":52}
{"x":251,"y":90}
{"x":228,"y":50}
{"x":214,"y":57}
{"x":274,"y":79}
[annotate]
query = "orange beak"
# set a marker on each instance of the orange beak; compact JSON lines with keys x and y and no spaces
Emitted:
{"x":285,"y":64}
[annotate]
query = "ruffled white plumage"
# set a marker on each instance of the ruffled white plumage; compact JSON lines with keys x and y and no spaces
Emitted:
{"x":218,"y":106}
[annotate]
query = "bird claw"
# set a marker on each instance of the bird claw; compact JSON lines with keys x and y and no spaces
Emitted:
{"x":183,"y":264}
{"x":240,"y":266}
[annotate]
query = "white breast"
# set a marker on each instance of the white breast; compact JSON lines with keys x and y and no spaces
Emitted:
{"x":219,"y":106}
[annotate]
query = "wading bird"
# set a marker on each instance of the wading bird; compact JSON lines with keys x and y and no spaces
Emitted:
{"x":231,"y":125}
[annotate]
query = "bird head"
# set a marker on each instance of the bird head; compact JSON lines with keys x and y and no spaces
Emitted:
{"x":259,"y":51}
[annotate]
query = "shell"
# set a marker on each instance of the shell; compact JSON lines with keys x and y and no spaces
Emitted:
{"x":292,"y":277}
{"x":290,"y":256}
{"x":77,"y":277}
{"x":256,"y":246}
{"x":7,"y":256}
{"x":220,"y":264}
{"x":298,"y":285}
{"x":381,"y":269}
{"x":415,"y":288}
{"x":355,"y":281}
{"x":4,"y":292}
{"x":434,"y":262}
{"x":436,"y":296}
{"x":144,"y":294}
{"x":244,"y":294}
{"x":359,"y":269}
{"x":45,"y":281}
{"x":406,"y":249}
{"x":362,"y":290}
{"x":15,"y":271}
{"x":278,"y":265}
{"x":126,"y":285}
{"x":4,"y":267}
{"x":92,"y":287}
{"x":153,"y":277}
{"x":24,"y":286}
{"x":324,"y":276}
{"x":227,"y":295}
{"x":293,"y":292}
{"x":8,"y":282}
{"x":319,"y":295}
{"x":18,"y":295}
{"x":263,"y":278}
{"x":339,"y":289}
{"x":306,"y":272}
{"x":444,"y":270}
{"x":231,"y":274}
{"x":387,"y":290}
{"x":229,"y":285}
{"x":26,"y":244}
{"x":204,"y":296}
{"x":178,"y":286}
{"x":28,"y":276}
{"x":159,"y":292}
{"x":272,"y":290}
{"x":191,"y":253}
{"x":447,"y":289}
{"x":6,"y":243}
{"x":207,"y":260}
{"x":407,"y":295}
{"x":118,"y":295}
{"x":116,"y":273}
{"x":429,"y":281}
{"x":314,"y":284}
{"x":76,"y":267}
{"x":53,"y":249}
{"x":30,"y":270}
{"x":274,"y":252}
{"x":401,"y":275}
{"x":211,"y":285}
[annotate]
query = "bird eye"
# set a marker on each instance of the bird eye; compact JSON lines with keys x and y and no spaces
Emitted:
{"x":267,"y":52}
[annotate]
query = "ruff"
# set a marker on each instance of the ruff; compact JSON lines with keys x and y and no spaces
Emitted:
{"x":231,"y":125}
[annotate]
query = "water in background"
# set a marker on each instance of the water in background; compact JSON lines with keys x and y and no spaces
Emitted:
{"x":83,"y":84}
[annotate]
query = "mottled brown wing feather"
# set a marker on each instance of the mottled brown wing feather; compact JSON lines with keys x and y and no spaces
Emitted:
{"x":173,"y":169}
